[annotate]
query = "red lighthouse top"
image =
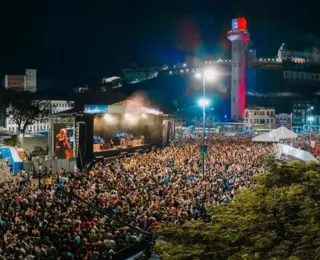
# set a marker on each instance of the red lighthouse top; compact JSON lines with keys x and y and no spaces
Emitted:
{"x":239,"y":24}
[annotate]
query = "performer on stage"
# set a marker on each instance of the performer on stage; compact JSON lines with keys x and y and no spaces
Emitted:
{"x":111,"y":143}
{"x":122,"y":141}
{"x":63,"y":150}
{"x":101,"y":143}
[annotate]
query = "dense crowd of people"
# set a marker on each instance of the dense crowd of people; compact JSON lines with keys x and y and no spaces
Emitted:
{"x":142,"y":190}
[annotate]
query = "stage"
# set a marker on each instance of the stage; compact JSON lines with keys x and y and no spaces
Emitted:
{"x":118,"y":150}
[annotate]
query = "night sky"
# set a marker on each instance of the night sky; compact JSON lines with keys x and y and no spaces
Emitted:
{"x":81,"y":41}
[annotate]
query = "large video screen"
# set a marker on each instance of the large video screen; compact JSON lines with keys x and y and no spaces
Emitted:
{"x":116,"y":131}
{"x":63,"y":135}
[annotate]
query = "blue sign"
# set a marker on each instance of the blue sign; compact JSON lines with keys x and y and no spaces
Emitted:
{"x":95,"y":109}
{"x":306,"y":128}
{"x":234,"y":24}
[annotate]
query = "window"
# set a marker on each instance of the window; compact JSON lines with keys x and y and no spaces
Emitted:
{"x":267,"y":121}
{"x":267,"y":112}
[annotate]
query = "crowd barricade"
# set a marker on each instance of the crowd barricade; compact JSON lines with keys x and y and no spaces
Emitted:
{"x":131,"y":252}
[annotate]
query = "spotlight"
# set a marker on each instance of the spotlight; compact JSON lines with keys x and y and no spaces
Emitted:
{"x":203,"y":102}
{"x":129,"y":117}
{"x":143,"y":115}
{"x":108,"y":118}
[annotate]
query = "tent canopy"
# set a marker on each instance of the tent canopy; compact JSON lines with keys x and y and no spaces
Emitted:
{"x":296,"y":153}
{"x":265,"y":137}
{"x":275,"y":135}
{"x":283,"y":133}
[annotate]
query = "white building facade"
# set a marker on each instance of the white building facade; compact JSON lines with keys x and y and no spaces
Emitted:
{"x":259,"y":116}
{"x":57,"y":107}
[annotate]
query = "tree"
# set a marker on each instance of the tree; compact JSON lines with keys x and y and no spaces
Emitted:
{"x":277,"y":219}
{"x":25,"y":110}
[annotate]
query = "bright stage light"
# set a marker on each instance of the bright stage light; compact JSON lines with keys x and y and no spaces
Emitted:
{"x":210,"y":74}
{"x":108,"y":118}
{"x":129,"y":117}
{"x":203,"y":102}
{"x":198,"y":75}
{"x":143,"y":115}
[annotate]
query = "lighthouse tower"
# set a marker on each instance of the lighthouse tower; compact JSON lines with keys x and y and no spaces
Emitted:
{"x":239,"y":36}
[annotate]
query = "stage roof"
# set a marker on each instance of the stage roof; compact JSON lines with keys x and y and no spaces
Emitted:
{"x":120,"y":107}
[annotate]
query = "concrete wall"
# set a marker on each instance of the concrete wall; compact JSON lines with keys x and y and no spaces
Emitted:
{"x":68,"y":165}
{"x":33,"y":166}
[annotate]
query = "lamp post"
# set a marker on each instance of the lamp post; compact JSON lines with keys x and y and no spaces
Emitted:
{"x":310,"y":119}
{"x":210,"y":75}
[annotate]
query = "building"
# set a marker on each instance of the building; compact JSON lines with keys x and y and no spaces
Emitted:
{"x":132,"y":76}
{"x":259,"y":117}
{"x":246,"y":79}
{"x":111,"y":83}
{"x":283,"y":119}
{"x":27,"y":82}
{"x":239,"y":36}
{"x":31,"y":80}
{"x":300,"y":111}
{"x":81,"y":89}
{"x":15,"y":82}
{"x":57,"y":107}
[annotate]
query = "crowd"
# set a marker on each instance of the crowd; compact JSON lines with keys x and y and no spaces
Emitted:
{"x":143,"y":190}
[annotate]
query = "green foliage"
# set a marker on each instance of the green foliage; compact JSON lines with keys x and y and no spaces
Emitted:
{"x":10,"y":141}
{"x":277,"y":219}
{"x":25,"y":109}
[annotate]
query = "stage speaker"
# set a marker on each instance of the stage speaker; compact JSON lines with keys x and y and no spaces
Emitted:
{"x":81,"y":142}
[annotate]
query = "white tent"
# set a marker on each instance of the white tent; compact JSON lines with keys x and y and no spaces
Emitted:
{"x":282,"y":133}
{"x":265,"y":137}
{"x":296,"y":153}
{"x":275,"y":135}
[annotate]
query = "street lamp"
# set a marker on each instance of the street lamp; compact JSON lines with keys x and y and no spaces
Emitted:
{"x":208,"y":74}
{"x":310,"y":119}
{"x":203,"y":102}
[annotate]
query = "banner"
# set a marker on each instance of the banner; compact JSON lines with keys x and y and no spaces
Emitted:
{"x":296,"y":153}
